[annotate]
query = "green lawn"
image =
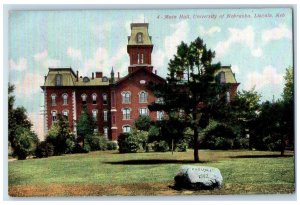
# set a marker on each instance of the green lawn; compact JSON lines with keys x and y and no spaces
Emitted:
{"x":109,"y":173}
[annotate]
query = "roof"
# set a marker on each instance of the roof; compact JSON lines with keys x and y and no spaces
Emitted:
{"x":139,"y":28}
{"x":229,"y":75}
{"x":70,"y":79}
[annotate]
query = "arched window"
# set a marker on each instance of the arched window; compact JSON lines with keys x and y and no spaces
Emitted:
{"x":126,"y":97}
{"x":54,"y":117}
{"x":126,"y":128}
{"x":53,"y":99}
{"x":105,"y":115}
{"x":143,"y":97}
{"x":104,"y":98}
{"x":83,"y":97}
{"x":95,"y":113}
{"x":160,"y":115}
{"x":228,"y":97}
{"x":139,"y":37}
{"x":65,"y":99}
{"x":65,"y":113}
{"x":126,"y":113}
{"x":222,"y":77}
{"x":94,"y":97}
{"x":105,"y":132}
{"x":58,"y":79}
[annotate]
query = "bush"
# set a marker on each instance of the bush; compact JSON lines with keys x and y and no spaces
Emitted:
{"x":161,"y":146}
{"x":25,"y":143}
{"x":143,"y":123}
{"x":181,"y":146}
{"x":112,"y":145}
{"x":241,"y":143}
{"x":97,"y":142}
{"x":86,"y":148}
{"x":128,"y":143}
{"x":44,"y":149}
{"x":153,"y":134}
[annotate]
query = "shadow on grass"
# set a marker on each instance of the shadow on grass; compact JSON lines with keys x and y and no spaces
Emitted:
{"x":261,"y":156}
{"x":154,"y":161}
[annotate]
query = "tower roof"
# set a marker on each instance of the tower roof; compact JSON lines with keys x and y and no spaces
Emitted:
{"x":139,"y":34}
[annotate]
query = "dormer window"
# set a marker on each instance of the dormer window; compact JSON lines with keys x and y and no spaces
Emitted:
{"x":139,"y":38}
{"x":222,"y":77}
{"x":58,"y":80}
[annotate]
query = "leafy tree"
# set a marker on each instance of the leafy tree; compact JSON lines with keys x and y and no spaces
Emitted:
{"x":191,"y":91}
{"x":85,"y":126}
{"x":143,"y":123}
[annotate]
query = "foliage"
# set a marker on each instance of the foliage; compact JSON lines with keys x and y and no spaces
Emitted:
{"x":25,"y":143}
{"x":160,"y":146}
{"x":154,"y":133}
{"x":85,"y":125}
{"x":191,"y":92}
{"x":44,"y":149}
{"x":97,"y":142}
{"x":288,"y":91}
{"x":112,"y":145}
{"x":143,"y":123}
{"x":132,"y":142}
{"x":181,"y":146}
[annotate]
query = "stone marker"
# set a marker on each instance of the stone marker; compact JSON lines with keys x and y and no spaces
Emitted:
{"x":198,"y":177}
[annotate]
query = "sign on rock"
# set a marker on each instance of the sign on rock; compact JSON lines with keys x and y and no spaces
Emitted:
{"x":198,"y":177}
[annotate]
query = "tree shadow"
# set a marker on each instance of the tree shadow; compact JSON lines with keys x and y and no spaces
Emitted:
{"x":261,"y":156}
{"x":155,"y":161}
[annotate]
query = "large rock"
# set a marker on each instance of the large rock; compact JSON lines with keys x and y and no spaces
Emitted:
{"x":198,"y":177}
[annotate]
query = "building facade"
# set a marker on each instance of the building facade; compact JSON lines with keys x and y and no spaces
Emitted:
{"x":115,"y":102}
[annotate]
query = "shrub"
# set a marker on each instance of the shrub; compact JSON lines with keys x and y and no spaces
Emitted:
{"x":160,"y":146}
{"x":86,"y":148}
{"x":153,"y":134}
{"x":44,"y":149}
{"x":97,"y":142}
{"x":128,"y":143}
{"x":181,"y":146}
{"x":112,"y":145}
{"x":143,"y":123}
{"x":241,"y":143}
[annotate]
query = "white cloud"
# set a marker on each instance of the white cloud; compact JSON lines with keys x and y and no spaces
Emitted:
{"x":158,"y":58}
{"x":74,"y":53}
{"x":139,"y":19}
{"x":41,"y":56}
{"x":102,"y":31}
{"x":38,"y":123}
{"x":257,"y":52}
{"x":235,"y":69}
{"x":268,"y":76}
{"x":21,"y":65}
{"x":210,"y":31}
{"x":276,"y":33}
{"x":29,"y":85}
{"x":51,"y":63}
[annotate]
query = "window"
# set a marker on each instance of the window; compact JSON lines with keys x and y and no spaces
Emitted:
{"x":143,"y":111}
{"x":94,"y":97}
{"x":104,"y":98}
{"x":143,"y":97}
{"x":228,"y":97}
{"x":105,"y":115}
{"x":65,"y":113}
{"x":222,"y":77}
{"x":65,"y":99}
{"x":53,"y":99}
{"x":160,"y":115}
{"x":58,"y":79}
{"x":83,"y":97}
{"x":138,"y":58}
{"x":96,"y":130}
{"x":159,"y":100}
{"x":105,"y":132}
{"x":139,"y":37}
{"x":126,"y":114}
{"x":142,"y":58}
{"x":126,"y":128}
{"x":126,"y":97}
{"x":94,"y":113}
{"x":54,"y":117}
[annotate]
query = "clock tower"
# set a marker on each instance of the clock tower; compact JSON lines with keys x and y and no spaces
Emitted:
{"x":139,"y":47}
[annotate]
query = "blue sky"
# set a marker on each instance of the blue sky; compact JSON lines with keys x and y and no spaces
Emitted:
{"x":258,"y":49}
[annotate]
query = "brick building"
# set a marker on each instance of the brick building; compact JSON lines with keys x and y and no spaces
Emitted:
{"x":115,"y":102}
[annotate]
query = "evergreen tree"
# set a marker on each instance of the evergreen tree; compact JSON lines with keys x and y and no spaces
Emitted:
{"x":85,"y":126}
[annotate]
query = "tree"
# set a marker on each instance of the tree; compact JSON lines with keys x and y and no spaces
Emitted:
{"x":143,"y":123}
{"x":85,"y":125}
{"x":191,"y":91}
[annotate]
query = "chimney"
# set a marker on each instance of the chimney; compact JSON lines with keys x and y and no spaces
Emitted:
{"x":77,"y":74}
{"x":92,"y":75}
{"x":155,"y":71}
{"x":118,"y":75}
{"x":98,"y":74}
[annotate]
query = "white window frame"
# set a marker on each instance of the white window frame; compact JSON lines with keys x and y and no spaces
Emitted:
{"x":54,"y":116}
{"x":126,"y":112}
{"x":222,"y":77}
{"x":105,"y":115}
{"x":53,"y":99}
{"x":65,"y":98}
{"x":64,"y":112}
{"x":143,"y":99}
{"x":160,"y":115}
{"x":126,"y":100}
{"x":228,"y":97}
{"x":58,"y":82}
{"x":104,"y":97}
{"x":84,"y":98}
{"x":94,"y":98}
{"x":142,"y":58}
{"x":105,"y":132}
{"x":141,"y":111}
{"x":95,"y":115}
{"x":126,"y":128}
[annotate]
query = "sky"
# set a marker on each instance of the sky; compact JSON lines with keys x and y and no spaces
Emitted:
{"x":257,"y":43}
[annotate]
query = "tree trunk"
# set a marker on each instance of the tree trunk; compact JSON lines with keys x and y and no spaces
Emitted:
{"x":195,"y":128}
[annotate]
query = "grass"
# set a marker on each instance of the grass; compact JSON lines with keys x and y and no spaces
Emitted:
{"x":109,"y":173}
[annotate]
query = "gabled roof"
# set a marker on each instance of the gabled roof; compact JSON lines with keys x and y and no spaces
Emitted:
{"x":135,"y":72}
